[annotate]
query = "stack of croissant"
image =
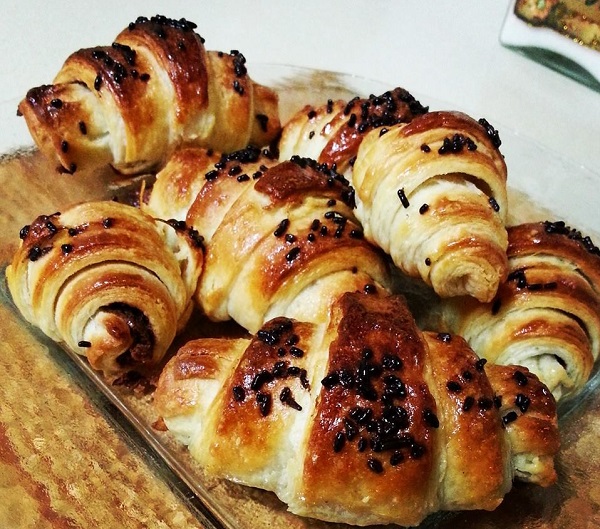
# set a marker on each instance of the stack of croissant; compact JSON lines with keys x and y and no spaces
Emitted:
{"x":336,"y":399}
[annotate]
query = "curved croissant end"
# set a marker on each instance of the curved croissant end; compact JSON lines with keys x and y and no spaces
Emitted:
{"x":546,"y":315}
{"x":101,"y":279}
{"x":156,"y":88}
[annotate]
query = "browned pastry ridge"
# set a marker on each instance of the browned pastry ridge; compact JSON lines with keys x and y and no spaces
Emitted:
{"x":101,"y":279}
{"x":155,"y":88}
{"x":546,"y":315}
{"x":430,"y":186}
{"x":362,"y":420}
{"x":280,"y":238}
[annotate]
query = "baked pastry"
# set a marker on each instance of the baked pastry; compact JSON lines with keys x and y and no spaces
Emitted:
{"x":100,"y":279}
{"x":281,"y":238}
{"x":546,"y":315}
{"x":156,"y":88}
{"x":430,"y":189}
{"x":332,"y":133}
{"x":361,"y":420}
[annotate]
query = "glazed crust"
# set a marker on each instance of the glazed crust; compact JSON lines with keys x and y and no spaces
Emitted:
{"x":356,"y":421}
{"x":430,"y":187}
{"x":281,"y":238}
{"x":101,"y":279}
{"x":332,"y":133}
{"x":546,"y":315}
{"x":156,"y":88}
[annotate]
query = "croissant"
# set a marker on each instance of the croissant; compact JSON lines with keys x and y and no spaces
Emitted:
{"x":280,"y":238}
{"x":430,"y":187}
{"x":131,"y":104}
{"x":101,"y":279}
{"x":361,"y":420}
{"x":546,"y":315}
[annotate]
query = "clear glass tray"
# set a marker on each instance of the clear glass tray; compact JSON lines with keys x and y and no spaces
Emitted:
{"x":542,"y":186}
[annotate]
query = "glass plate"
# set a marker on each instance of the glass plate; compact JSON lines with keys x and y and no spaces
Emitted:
{"x":542,"y":186}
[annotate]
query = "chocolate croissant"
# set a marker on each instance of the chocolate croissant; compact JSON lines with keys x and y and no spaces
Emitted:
{"x":361,"y":420}
{"x":281,"y":238}
{"x":156,"y":88}
{"x":430,"y":187}
{"x":101,"y":279}
{"x":546,"y":315}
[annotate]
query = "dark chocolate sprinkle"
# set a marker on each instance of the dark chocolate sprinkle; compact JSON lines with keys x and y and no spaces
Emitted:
{"x":264,"y":403}
{"x":468,"y":403}
{"x":485,"y":403}
{"x":282,"y":228}
{"x":260,"y":379}
{"x":239,"y":393}
{"x":339,"y":441}
{"x":491,"y":132}
{"x":453,"y":386}
{"x":520,"y":377}
{"x":511,"y":416}
{"x":430,"y":418}
{"x":396,"y":458}
{"x":287,"y":398}
{"x":479,"y":365}
{"x":401,"y":195}
{"x":375,"y":465}
{"x":292,"y":254}
{"x":522,"y":402}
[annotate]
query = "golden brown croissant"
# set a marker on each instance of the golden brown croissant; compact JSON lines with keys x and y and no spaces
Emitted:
{"x":131,"y":104}
{"x":546,"y":315}
{"x":280,"y":237}
{"x":362,"y":420}
{"x":101,"y":279}
{"x":430,"y":187}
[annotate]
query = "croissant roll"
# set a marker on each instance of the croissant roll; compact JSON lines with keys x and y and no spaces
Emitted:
{"x":101,"y":279}
{"x":446,"y":224}
{"x":131,"y":104}
{"x":546,"y":315}
{"x":430,"y":186}
{"x":280,"y":237}
{"x":362,"y":419}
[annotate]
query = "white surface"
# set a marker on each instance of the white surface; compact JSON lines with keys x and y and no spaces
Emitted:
{"x":446,"y":49}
